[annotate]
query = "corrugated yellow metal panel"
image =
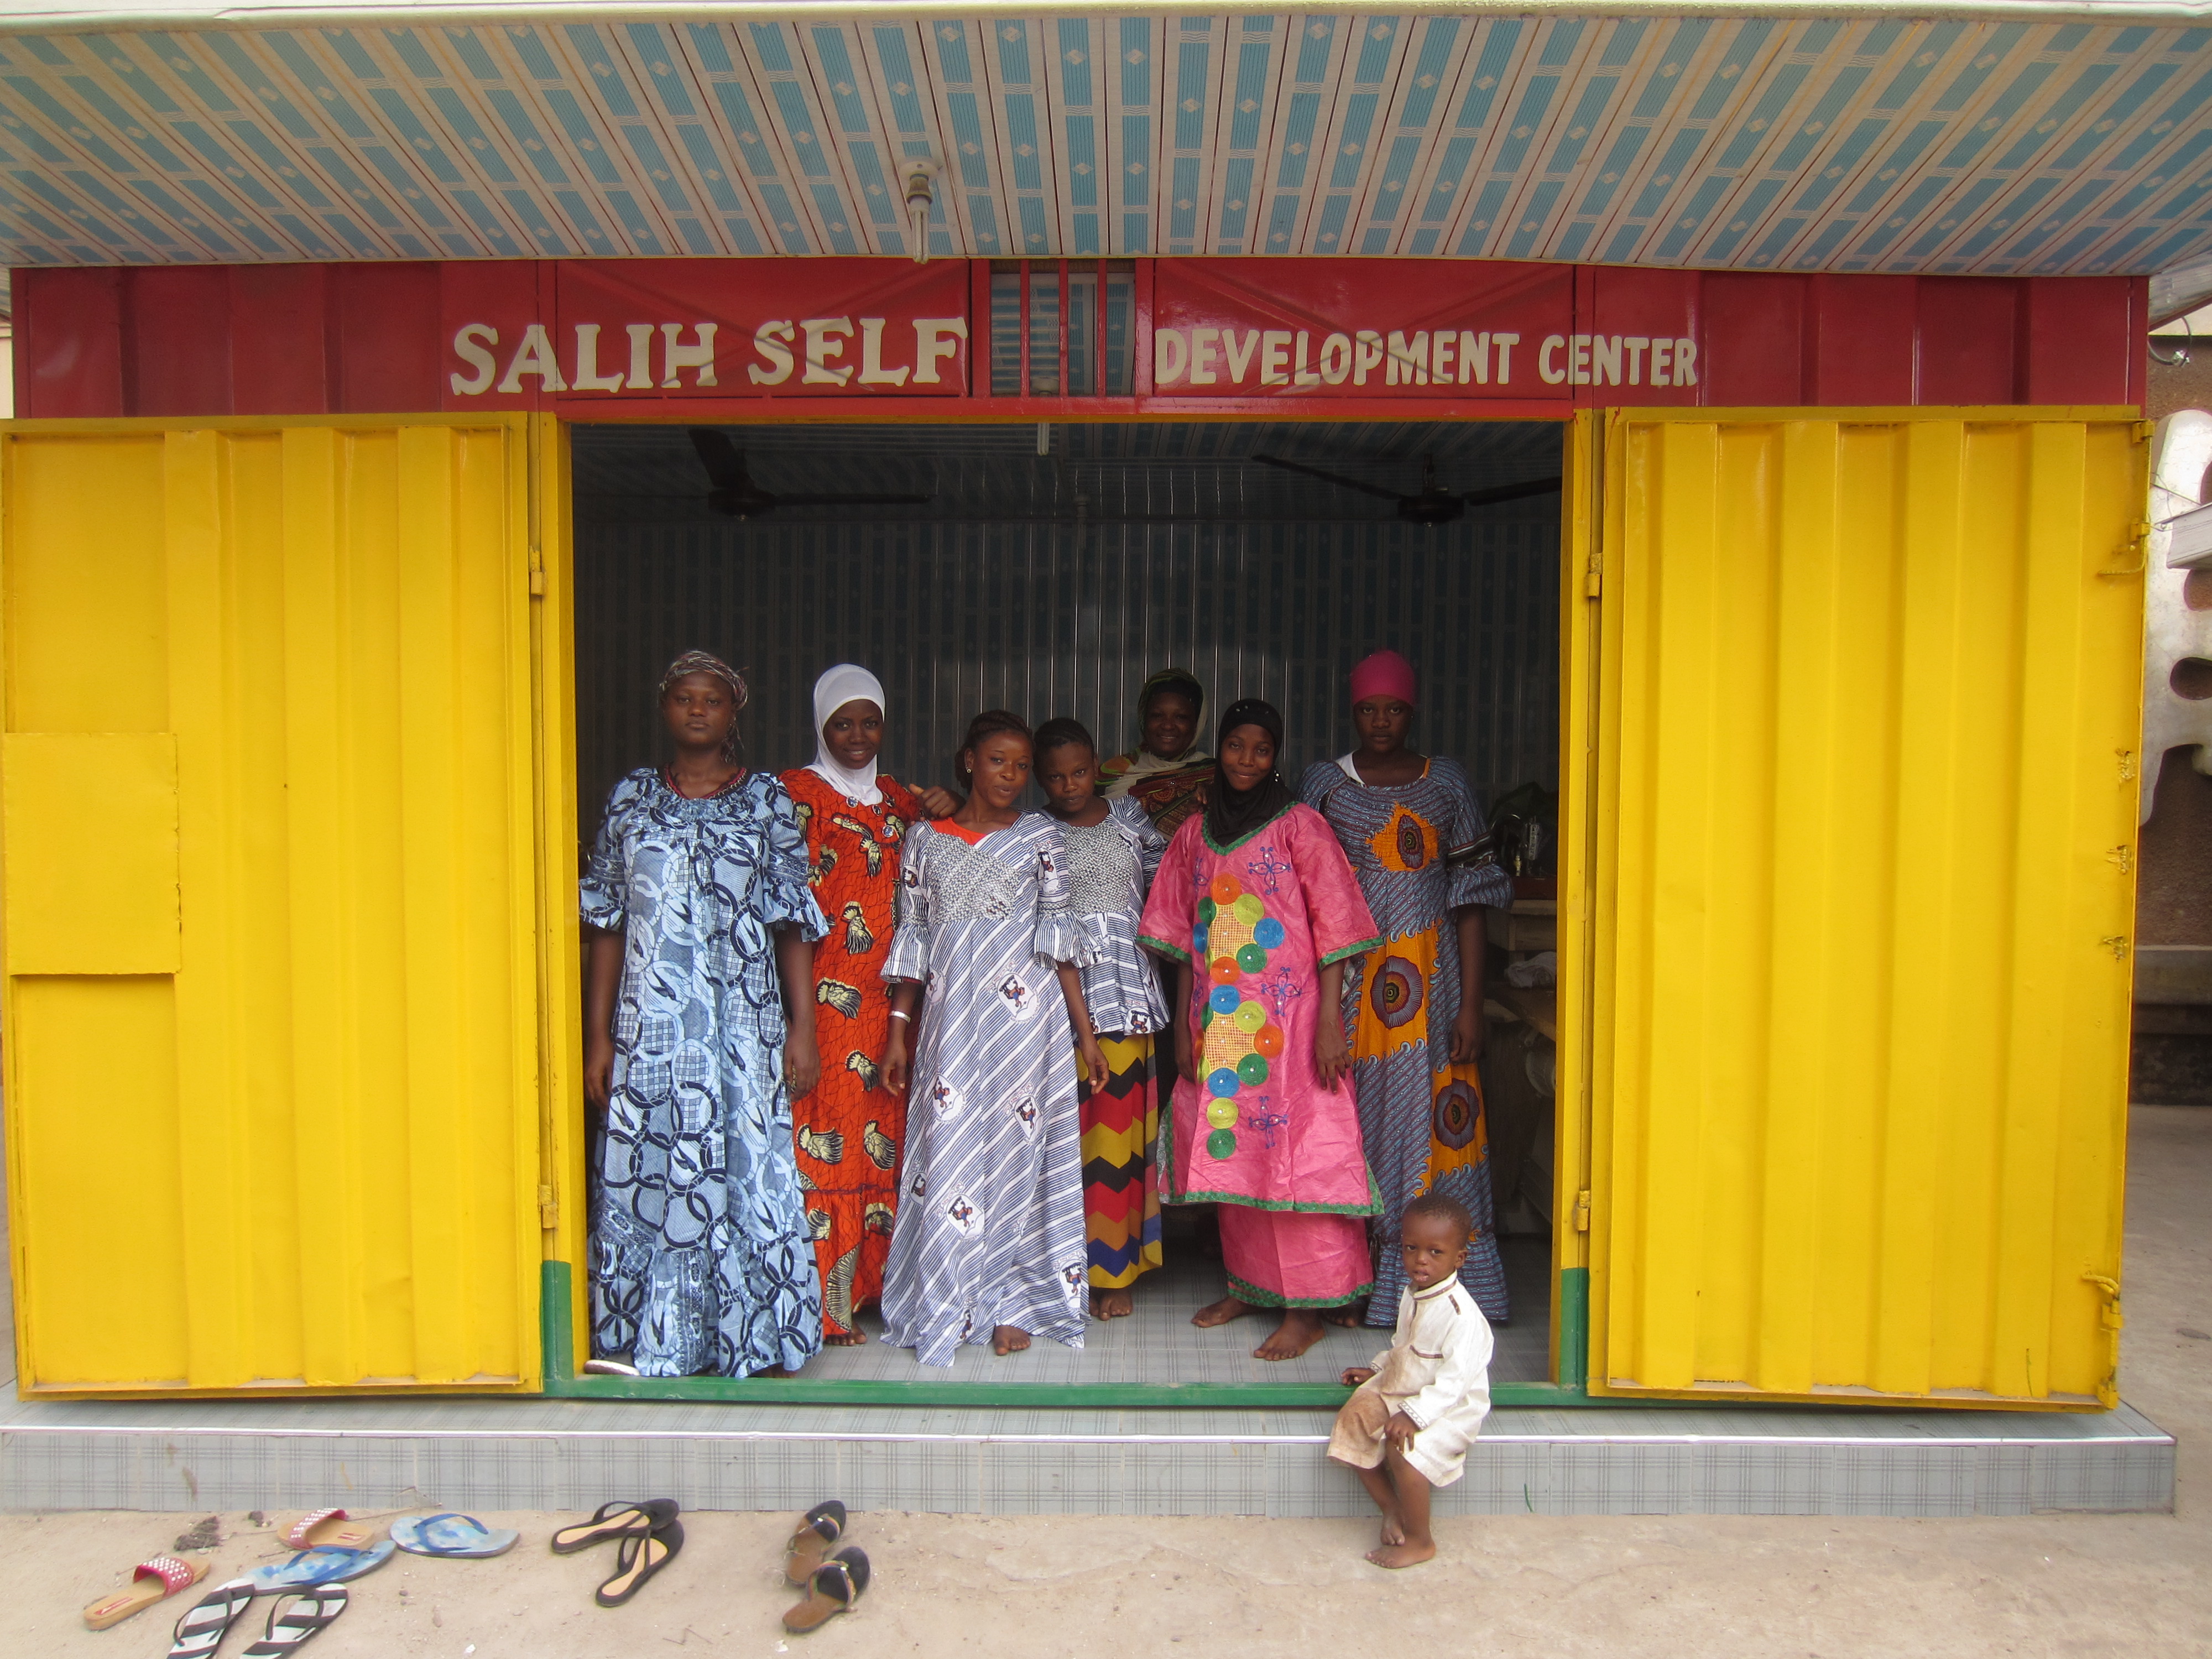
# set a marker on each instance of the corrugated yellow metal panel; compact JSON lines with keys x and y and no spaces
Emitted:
{"x":78,"y":799}
{"x":1862,"y":855}
{"x":320,"y":1133}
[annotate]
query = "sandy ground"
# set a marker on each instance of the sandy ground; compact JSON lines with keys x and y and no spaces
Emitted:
{"x":1041,"y":1586}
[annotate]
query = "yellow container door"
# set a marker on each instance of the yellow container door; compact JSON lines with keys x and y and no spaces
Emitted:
{"x":1861,"y":871}
{"x":271,"y":923}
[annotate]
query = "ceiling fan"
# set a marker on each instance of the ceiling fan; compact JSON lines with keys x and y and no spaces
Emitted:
{"x":735,"y":495}
{"x":1433,"y":504}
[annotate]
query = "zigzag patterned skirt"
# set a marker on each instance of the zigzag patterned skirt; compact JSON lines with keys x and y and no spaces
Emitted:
{"x":1121,"y":1198}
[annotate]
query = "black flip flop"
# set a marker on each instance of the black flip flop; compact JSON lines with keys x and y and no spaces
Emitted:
{"x":642,"y":1556}
{"x":200,"y":1631}
{"x":838,"y":1583}
{"x":631,"y":1518}
{"x":290,"y":1627}
{"x":824,"y":1525}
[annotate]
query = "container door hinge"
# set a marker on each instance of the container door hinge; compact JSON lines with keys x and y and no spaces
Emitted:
{"x":2108,"y":1391}
{"x":537,"y":583}
{"x":2144,"y":431}
{"x":2123,"y":855}
{"x":1593,"y":583}
{"x":2117,"y":943}
{"x":1582,"y":1213}
{"x":549,"y":1209}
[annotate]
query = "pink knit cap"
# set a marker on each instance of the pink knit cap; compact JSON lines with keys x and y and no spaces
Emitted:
{"x":1385,"y":674}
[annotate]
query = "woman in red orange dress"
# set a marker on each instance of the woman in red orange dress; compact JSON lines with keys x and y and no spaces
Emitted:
{"x":849,"y":1129}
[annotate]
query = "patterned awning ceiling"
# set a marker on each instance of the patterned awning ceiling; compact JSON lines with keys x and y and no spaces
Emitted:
{"x":1856,"y":142}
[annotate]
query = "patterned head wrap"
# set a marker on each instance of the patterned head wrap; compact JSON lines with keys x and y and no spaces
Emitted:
{"x":706,"y":662}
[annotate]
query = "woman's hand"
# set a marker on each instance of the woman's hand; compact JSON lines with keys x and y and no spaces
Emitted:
{"x":1355,"y":1375}
{"x":897,"y":1067}
{"x":598,"y":1068}
{"x":1332,"y":1054}
{"x":802,"y":1065}
{"x":937,"y":803}
{"x":1469,"y":1032}
{"x":1094,"y":1060}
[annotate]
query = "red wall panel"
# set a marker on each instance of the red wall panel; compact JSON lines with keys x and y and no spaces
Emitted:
{"x":69,"y":342}
{"x":1969,"y":333}
{"x":1763,"y":319}
{"x":176,"y":341}
{"x":1858,"y":341}
{"x":279,"y":339}
{"x":387,"y":354}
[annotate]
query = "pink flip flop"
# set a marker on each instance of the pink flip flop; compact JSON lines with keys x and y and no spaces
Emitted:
{"x":330,"y":1529}
{"x":150,"y":1581}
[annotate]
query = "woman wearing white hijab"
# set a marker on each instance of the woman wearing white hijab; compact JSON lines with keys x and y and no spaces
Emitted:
{"x":850,"y":1128}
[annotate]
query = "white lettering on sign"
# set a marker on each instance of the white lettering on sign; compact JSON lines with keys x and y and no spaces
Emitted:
{"x":469,"y":346}
{"x":1206,"y":357}
{"x":785,"y":347}
{"x":1598,"y":359}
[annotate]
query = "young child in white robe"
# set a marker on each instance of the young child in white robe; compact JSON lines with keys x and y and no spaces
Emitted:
{"x":1420,"y":1405}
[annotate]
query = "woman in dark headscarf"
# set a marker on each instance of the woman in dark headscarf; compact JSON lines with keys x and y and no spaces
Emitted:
{"x":1166,"y":774}
{"x":1257,"y":909}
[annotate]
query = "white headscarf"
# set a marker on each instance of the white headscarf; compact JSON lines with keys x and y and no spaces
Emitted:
{"x":846,"y":682}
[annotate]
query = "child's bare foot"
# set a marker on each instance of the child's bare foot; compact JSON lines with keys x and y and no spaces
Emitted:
{"x":1393,"y":1527}
{"x":844,"y":1339}
{"x":1407,"y":1554}
{"x":1112,"y":1304}
{"x":1300,"y":1329}
{"x":1220,"y":1313}
{"x":1009,"y":1339}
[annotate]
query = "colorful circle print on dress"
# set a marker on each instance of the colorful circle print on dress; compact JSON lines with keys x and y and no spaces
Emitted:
{"x":1198,"y":942}
{"x":1250,"y":1017}
{"x":1248,"y":910}
{"x":1251,"y":959}
{"x":1224,"y":970}
{"x":1207,"y":910}
{"x":1397,"y":993}
{"x":1268,"y":1040}
{"x":1225,"y":888}
{"x":1221,"y":1113}
{"x":1413,"y":845}
{"x":1224,"y":999}
{"x":1252,"y":1071}
{"x":1224,"y":1083}
{"x":1221,"y":1144}
{"x":1268,"y":934}
{"x":1457,"y":1108}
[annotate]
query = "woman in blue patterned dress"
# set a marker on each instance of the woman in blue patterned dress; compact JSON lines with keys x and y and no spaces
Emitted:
{"x":988,"y":1242}
{"x":698,"y":1011}
{"x":1418,"y":841}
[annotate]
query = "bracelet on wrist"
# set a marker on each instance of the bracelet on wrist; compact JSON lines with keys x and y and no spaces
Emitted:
{"x":900,"y":1013}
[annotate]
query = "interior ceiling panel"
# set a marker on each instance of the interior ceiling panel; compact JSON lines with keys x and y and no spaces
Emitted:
{"x":2001,"y":145}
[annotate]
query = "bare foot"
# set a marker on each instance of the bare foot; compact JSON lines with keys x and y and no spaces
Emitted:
{"x":1220,"y":1313}
{"x":1112,"y":1304}
{"x":1009,"y":1339}
{"x":844,"y":1339}
{"x":1345,"y":1317}
{"x":1300,"y":1329}
{"x":1393,"y":1527}
{"x":1403,"y":1555}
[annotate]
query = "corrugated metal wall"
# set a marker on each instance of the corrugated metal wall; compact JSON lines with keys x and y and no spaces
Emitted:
{"x":1866,"y":816}
{"x":272,"y":683}
{"x":1257,"y":581}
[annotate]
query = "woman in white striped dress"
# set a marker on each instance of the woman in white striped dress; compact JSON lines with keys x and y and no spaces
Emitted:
{"x":988,"y":1245}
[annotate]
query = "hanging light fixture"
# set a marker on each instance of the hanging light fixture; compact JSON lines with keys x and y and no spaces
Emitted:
{"x":920,"y":171}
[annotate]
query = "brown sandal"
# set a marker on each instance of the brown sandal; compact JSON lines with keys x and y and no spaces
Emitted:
{"x":837,"y":1585}
{"x":823,"y":1525}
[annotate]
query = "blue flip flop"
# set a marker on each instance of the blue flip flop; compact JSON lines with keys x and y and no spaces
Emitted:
{"x":462,"y":1536}
{"x":326,"y":1566}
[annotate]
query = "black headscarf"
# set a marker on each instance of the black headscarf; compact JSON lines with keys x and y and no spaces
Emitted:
{"x":1232,"y":814}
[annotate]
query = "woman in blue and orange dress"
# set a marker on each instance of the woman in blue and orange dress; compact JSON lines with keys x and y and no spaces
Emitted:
{"x":1417,"y":839}
{"x":850,"y":1128}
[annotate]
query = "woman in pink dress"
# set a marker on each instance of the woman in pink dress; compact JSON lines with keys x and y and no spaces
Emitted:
{"x":1258,"y":910}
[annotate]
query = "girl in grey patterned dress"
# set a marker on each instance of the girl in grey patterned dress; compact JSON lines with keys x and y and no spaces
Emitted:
{"x":988,"y":1242}
{"x":1113,"y":847}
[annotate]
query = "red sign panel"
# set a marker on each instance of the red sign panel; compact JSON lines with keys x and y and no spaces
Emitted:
{"x":683,"y":328}
{"x":704,"y":339}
